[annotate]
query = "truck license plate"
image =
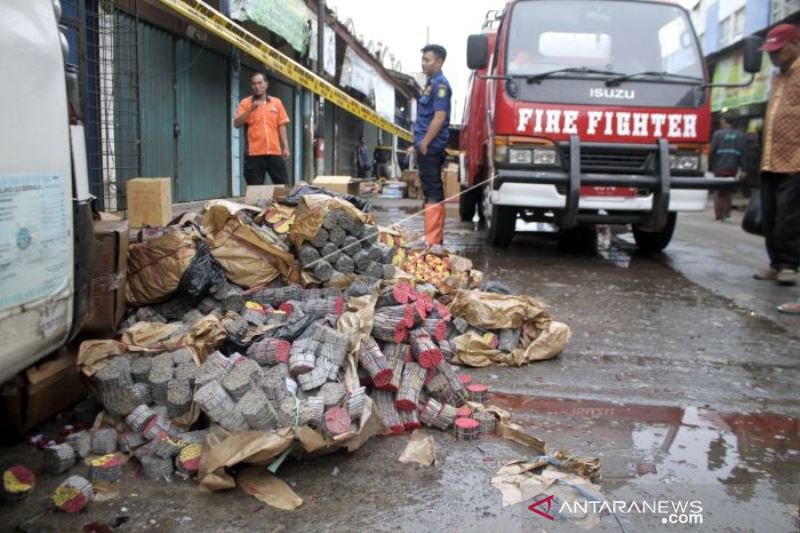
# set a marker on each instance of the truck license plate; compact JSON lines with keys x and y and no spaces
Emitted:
{"x":603,"y":191}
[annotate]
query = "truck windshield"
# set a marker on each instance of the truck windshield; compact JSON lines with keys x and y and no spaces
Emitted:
{"x":623,"y":37}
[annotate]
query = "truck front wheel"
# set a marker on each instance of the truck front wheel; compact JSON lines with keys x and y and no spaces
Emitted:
{"x":468,"y":203}
{"x":501,"y":225}
{"x":655,"y":241}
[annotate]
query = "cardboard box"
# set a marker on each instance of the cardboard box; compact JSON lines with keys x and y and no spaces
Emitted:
{"x":340,"y":184}
{"x":255,"y":193}
{"x":42,"y":391}
{"x":452,"y":187}
{"x":149,"y":201}
{"x":109,"y":272}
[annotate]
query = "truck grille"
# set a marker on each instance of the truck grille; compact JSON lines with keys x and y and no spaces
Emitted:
{"x":611,"y":161}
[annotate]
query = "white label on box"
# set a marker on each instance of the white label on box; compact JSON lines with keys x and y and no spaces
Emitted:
{"x":34,"y":238}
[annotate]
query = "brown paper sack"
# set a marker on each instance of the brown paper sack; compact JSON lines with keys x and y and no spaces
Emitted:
{"x":542,"y":337}
{"x":248,"y":258}
{"x":155,"y":267}
{"x":249,"y":447}
{"x":201,"y":339}
{"x":310,"y":212}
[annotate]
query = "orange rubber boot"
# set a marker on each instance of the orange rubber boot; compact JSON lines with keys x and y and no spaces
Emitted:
{"x":434,"y":224}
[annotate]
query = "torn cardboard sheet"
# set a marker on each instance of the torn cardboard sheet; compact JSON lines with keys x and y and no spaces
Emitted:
{"x":518,"y":483}
{"x":421,"y":448}
{"x":266,"y":487}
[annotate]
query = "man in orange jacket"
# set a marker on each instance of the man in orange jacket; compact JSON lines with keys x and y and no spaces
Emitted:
{"x":265,"y":119}
{"x":430,"y":139}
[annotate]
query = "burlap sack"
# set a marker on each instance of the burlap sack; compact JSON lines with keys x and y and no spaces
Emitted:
{"x":542,"y":337}
{"x":248,"y":258}
{"x":155,"y":267}
{"x":311,"y":210}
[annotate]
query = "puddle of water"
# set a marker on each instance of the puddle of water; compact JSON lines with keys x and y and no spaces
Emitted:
{"x":744,"y":468}
{"x":692,"y":445}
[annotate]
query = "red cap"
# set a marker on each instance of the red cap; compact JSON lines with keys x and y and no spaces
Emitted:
{"x":780,"y":36}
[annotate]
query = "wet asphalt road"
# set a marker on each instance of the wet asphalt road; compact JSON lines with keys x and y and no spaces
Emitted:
{"x":680,"y":376}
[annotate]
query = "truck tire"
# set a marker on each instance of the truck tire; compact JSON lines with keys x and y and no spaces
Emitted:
{"x":501,"y":225}
{"x":655,"y":241}
{"x":468,"y":203}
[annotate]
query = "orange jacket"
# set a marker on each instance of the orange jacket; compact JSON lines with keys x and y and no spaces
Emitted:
{"x":262,"y":125}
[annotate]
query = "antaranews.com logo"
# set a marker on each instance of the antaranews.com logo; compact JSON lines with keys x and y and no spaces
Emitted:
{"x":671,"y":512}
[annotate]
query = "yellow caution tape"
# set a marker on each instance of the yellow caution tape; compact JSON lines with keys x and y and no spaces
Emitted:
{"x":215,"y":22}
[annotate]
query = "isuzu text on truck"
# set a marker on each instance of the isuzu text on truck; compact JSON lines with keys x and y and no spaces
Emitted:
{"x":585,"y":112}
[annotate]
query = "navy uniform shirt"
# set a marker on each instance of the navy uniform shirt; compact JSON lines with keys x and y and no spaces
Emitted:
{"x":435,"y":97}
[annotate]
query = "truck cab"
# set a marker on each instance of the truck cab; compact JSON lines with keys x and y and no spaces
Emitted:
{"x":45,"y":210}
{"x":585,"y":112}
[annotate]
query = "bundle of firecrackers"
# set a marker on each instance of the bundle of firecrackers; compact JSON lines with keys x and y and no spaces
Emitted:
{"x":344,"y":246}
{"x":278,"y":217}
{"x":435,"y":267}
{"x":404,"y":365}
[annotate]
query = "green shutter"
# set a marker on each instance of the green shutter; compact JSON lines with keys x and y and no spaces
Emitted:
{"x":202,"y":100}
{"x":157,"y":102}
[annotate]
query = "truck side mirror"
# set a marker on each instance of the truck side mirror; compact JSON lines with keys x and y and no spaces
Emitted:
{"x":752,"y":57}
{"x":477,"y":51}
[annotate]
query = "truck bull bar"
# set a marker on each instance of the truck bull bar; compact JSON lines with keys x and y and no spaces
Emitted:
{"x":660,"y":183}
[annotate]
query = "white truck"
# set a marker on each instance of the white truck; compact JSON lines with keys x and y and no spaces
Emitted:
{"x":45,"y":210}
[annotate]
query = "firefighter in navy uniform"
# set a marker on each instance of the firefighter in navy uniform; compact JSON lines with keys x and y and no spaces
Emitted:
{"x":430,"y":139}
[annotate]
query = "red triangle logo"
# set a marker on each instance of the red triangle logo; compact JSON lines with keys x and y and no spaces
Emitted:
{"x":534,"y":507}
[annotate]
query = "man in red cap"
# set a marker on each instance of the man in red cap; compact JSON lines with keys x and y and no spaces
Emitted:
{"x":780,"y":164}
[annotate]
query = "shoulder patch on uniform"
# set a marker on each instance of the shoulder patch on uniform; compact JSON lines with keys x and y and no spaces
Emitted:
{"x":441,"y":92}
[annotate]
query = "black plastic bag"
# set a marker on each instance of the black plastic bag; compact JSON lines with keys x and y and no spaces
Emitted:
{"x":204,"y":272}
{"x":301,"y":190}
{"x":752,"y":221}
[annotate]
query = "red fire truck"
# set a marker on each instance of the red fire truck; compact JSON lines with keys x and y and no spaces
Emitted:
{"x":584,"y":112}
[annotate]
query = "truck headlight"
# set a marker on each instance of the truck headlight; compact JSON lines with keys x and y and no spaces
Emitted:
{"x":518,"y":156}
{"x":684,"y":162}
{"x":544,"y":156}
{"x":500,"y":153}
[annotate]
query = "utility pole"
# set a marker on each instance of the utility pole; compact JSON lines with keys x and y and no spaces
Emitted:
{"x":320,"y":126}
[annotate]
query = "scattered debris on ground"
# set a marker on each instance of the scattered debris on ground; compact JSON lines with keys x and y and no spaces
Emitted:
{"x":295,"y":329}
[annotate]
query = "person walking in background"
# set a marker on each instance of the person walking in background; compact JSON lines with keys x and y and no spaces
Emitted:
{"x":780,"y":164}
{"x":752,"y":162}
{"x":726,"y":160}
{"x":361,"y":155}
{"x":430,"y":139}
{"x":265,"y":120}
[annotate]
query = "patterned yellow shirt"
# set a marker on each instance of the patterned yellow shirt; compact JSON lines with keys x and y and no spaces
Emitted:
{"x":782,"y":127}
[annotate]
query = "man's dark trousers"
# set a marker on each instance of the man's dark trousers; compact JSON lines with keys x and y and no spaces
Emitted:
{"x":780,"y":209}
{"x":256,"y":166}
